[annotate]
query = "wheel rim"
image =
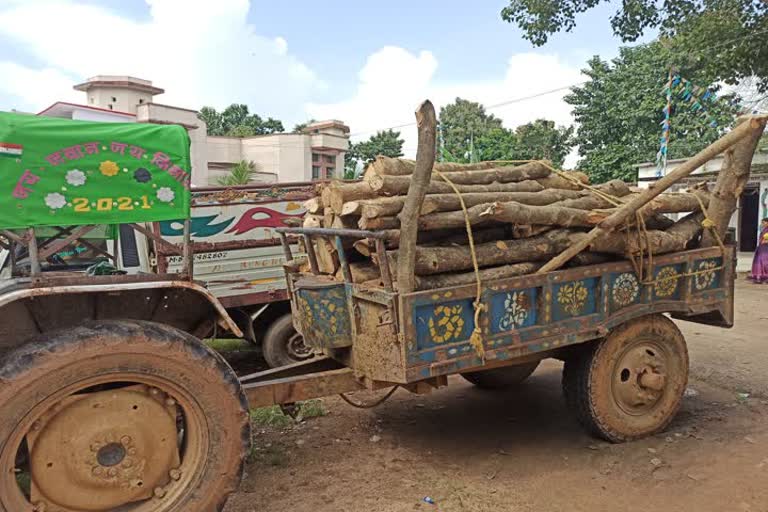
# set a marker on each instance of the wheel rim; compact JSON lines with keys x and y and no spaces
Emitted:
{"x":126,"y":441}
{"x":297,"y":349}
{"x":640,"y":377}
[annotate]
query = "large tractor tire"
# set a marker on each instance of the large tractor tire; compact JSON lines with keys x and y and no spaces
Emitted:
{"x":119,"y":415}
{"x":501,"y":378}
{"x":283,"y":345}
{"x":629,"y":385}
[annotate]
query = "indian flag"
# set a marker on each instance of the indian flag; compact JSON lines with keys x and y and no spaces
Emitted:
{"x":6,"y":148}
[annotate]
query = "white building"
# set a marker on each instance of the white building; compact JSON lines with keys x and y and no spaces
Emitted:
{"x":753,"y":203}
{"x":316,"y":153}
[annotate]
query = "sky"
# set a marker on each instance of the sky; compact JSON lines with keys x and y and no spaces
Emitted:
{"x":366,"y":63}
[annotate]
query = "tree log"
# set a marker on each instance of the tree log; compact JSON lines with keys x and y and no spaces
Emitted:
{"x":620,"y":216}
{"x":327,"y":217}
{"x":673,"y":202}
{"x":402,"y":167}
{"x":313,"y":221}
{"x":339,"y":193}
{"x":398,"y":185}
{"x":508,"y":174}
{"x":327,"y":257}
{"x":387,"y":206}
{"x":313,"y":205}
{"x":555,"y":181}
{"x":437,"y":238}
{"x":436,"y":260}
{"x":676,"y":238}
{"x":426,"y":122}
{"x":361,"y":272}
{"x":486,"y":275}
{"x":379,"y":223}
{"x":731,"y":181}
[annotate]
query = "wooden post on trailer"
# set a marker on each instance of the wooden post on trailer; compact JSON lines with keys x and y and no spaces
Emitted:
{"x":188,"y":266}
{"x":620,"y":216}
{"x":426,"y":122}
{"x":34,"y":261}
{"x":731,"y":180}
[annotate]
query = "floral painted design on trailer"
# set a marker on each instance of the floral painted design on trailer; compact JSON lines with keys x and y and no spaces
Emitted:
{"x":516,"y":307}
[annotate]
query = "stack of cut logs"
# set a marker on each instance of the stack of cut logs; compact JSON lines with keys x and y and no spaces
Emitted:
{"x":521,"y":217}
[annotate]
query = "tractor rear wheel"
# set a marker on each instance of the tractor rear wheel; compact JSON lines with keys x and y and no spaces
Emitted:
{"x":119,"y":415}
{"x":630,"y":384}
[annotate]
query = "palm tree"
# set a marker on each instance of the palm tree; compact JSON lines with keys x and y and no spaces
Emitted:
{"x":240,"y":174}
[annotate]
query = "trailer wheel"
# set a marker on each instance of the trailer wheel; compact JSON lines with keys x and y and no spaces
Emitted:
{"x":119,"y":415}
{"x":283,"y":344}
{"x":501,"y":378}
{"x":630,"y":384}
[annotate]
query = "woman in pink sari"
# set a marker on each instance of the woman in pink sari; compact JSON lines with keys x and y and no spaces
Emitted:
{"x":760,"y":263}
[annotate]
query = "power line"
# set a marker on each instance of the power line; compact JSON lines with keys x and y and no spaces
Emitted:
{"x":552,"y":91}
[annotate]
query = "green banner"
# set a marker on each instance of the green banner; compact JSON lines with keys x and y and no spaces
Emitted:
{"x":59,"y":172}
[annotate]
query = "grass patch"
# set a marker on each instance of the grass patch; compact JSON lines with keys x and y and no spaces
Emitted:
{"x":273,"y":455}
{"x":274,"y":417}
{"x":230,"y":345}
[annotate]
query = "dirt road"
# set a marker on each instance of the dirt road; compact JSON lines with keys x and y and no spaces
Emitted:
{"x":520,"y":450}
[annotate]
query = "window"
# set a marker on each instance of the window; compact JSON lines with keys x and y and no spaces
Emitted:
{"x":141,"y":101}
{"x":114,"y":100}
{"x":329,"y":172}
{"x":315,"y":157}
{"x":90,"y":100}
{"x":316,"y":172}
{"x":109,"y":106}
{"x":329,"y":159}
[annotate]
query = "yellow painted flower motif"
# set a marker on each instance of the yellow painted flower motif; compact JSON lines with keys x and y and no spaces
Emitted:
{"x":109,"y":168}
{"x":446,"y":323}
{"x":666,"y":282}
{"x":572,"y":297}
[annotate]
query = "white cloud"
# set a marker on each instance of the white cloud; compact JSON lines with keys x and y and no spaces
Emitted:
{"x":200,"y":52}
{"x":394,"y":81}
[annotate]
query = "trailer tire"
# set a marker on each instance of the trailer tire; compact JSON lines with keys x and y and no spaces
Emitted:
{"x":283,"y":345}
{"x":630,"y":384}
{"x":121,"y":388}
{"x":501,"y":378}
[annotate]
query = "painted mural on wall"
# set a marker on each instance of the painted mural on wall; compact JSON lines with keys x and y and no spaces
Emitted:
{"x":57,"y":172}
{"x":229,"y":222}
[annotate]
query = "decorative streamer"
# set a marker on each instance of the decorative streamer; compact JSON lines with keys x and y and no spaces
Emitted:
{"x":691,"y":95}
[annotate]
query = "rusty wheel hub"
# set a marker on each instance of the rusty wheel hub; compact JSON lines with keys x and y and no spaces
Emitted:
{"x":102,"y":450}
{"x":639,"y":380}
{"x":297,"y":349}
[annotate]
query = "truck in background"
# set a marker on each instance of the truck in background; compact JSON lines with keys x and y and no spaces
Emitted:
{"x":237,"y":255}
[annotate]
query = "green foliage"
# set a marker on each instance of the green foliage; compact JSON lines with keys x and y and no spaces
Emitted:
{"x":540,"y":139}
{"x":726,"y":38}
{"x":385,"y":143}
{"x":240,"y":130}
{"x":462,"y":124}
{"x":237,"y":121}
{"x":619,"y":111}
{"x":299,"y":128}
{"x":274,"y":417}
{"x":241,"y":174}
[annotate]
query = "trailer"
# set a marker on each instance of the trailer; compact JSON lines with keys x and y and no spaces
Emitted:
{"x":109,"y":400}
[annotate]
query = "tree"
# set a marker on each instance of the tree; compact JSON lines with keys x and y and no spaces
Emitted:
{"x":727,"y":38}
{"x":619,"y":110}
{"x":462,"y":123}
{"x":385,"y":143}
{"x":538,"y":140}
{"x":299,"y":128}
{"x":237,"y":121}
{"x":541,"y":139}
{"x":241,"y":174}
